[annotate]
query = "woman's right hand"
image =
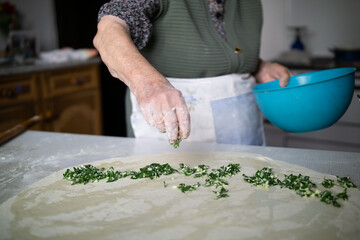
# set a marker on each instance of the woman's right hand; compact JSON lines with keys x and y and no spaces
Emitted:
{"x":160,"y":103}
{"x":164,"y":107}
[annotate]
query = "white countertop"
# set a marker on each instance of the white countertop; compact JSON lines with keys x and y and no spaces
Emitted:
{"x":34,"y":155}
{"x":14,"y":69}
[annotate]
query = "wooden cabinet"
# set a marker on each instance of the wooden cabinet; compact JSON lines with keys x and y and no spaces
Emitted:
{"x":68,"y":99}
{"x":19,"y":100}
{"x":15,"y":114}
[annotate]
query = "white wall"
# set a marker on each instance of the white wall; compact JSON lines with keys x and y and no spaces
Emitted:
{"x":38,"y":16}
{"x":273,"y":39}
{"x":328,"y":23}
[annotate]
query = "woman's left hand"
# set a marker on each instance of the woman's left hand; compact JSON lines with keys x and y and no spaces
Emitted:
{"x":269,"y":71}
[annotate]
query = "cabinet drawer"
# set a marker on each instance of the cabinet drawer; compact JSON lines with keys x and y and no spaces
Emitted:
{"x":18,"y":89}
{"x":13,"y":115}
{"x":70,"y":81}
{"x":75,"y":113}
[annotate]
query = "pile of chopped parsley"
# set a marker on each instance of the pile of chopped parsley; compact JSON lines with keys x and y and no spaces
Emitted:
{"x":302,"y":185}
{"x":216,"y":178}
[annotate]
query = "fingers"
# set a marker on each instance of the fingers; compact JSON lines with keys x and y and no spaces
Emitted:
{"x":270,"y":71}
{"x":183,"y":117}
{"x":167,"y":111}
{"x":284,"y":79}
{"x":171,"y":125}
{"x":147,"y":114}
{"x":283,"y":74}
{"x":154,"y":117}
{"x":159,"y":123}
{"x":177,"y":121}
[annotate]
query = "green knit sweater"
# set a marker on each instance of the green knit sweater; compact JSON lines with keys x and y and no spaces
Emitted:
{"x":185,"y":43}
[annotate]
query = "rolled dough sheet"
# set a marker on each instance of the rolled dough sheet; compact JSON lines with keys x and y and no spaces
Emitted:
{"x":144,"y":209}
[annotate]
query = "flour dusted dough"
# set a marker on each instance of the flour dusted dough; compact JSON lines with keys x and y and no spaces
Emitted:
{"x":143,"y":209}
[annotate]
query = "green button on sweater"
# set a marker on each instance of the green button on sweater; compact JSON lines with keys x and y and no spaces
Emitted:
{"x":185,"y":43}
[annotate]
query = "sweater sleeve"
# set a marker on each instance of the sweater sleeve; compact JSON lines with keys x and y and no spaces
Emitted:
{"x":137,"y":14}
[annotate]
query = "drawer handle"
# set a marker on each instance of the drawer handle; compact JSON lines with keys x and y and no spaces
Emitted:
{"x":79,"y":81}
{"x":49,"y":116}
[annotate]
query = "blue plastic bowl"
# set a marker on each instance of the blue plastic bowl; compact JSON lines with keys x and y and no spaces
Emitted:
{"x":310,"y":102}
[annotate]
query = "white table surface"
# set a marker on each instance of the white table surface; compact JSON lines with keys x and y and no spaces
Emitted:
{"x":34,"y":155}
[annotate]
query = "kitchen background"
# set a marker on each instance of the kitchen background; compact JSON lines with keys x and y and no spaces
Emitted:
{"x":323,"y":25}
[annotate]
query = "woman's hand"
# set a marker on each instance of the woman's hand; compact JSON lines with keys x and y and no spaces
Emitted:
{"x":160,"y":103}
{"x":164,"y":107}
{"x":269,"y":71}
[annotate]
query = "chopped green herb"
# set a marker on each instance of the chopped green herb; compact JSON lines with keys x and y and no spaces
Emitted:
{"x":154,"y":170}
{"x":186,"y":188}
{"x":264,"y":178}
{"x":84,"y":174}
{"x":328,"y":198}
{"x":343,"y":195}
{"x":113,"y":176}
{"x":222,"y":193}
{"x":345,"y":182}
{"x":301,"y":184}
{"x":213,"y":180}
{"x":229,"y":170}
{"x":201,"y":170}
{"x":176,"y":144}
{"x":186,"y":170}
{"x":87,"y":173}
{"x":328,"y":183}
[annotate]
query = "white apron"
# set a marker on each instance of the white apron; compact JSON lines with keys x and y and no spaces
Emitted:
{"x":222,"y":109}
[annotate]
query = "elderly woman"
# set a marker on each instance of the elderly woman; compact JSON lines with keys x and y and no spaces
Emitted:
{"x":183,"y":58}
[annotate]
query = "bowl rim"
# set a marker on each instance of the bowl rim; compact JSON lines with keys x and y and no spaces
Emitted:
{"x":350,"y":71}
